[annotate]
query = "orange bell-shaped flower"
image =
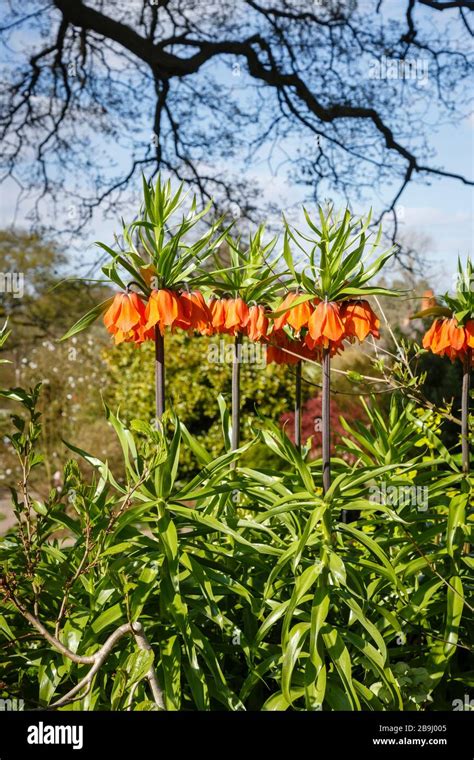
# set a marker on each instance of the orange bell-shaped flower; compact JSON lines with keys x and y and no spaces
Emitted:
{"x":469,"y":330}
{"x":237,"y":315}
{"x":283,"y":350}
{"x":163,"y":309}
{"x":359,"y":320}
{"x":314,"y":347}
{"x":200,"y":315}
{"x":185,"y":319}
{"x":435,"y":336}
{"x":195,"y":314}
{"x":125,"y":317}
{"x":299,"y":315}
{"x":325,"y":323}
{"x":296,"y":316}
{"x":446,"y":337}
{"x":257,"y":325}
{"x":280,"y":322}
{"x":456,"y":335}
{"x":218,"y":314}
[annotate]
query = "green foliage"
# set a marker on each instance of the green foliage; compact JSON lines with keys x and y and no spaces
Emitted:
{"x":337,"y":252}
{"x":251,"y":591}
{"x":250,"y":275}
{"x":161,"y":248}
{"x":198,"y":369}
{"x":190,"y":576}
{"x":461,"y":303}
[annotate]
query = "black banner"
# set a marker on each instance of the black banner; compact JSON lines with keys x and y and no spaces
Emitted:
{"x":123,"y":735}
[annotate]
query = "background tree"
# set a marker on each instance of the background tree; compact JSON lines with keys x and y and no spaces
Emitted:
{"x":39,"y":311}
{"x":104,"y":91}
{"x":46,"y":303}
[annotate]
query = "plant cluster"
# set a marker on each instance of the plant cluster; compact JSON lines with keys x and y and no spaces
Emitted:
{"x":337,"y":583}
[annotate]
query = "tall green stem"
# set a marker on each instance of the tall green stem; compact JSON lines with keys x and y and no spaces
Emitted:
{"x":236,"y":391}
{"x":299,"y":368}
{"x":159,"y":375}
{"x":326,"y":426}
{"x":466,"y":382}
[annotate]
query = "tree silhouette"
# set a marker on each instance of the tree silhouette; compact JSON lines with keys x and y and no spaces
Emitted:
{"x":198,"y":88}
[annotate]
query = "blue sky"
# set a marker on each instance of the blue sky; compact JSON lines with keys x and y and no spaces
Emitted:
{"x":441,"y":212}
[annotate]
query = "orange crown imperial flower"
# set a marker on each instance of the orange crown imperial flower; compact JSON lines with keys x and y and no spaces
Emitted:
{"x":469,"y":330}
{"x":283,"y":350}
{"x":195,"y":313}
{"x":218,"y":314}
{"x":315,"y":346}
{"x":328,"y":323}
{"x":163,"y":309}
{"x":296,"y":317}
{"x":359,"y":320}
{"x":325,"y":324}
{"x":257,"y":325}
{"x":446,"y":337}
{"x":125,"y":318}
{"x":237,"y":315}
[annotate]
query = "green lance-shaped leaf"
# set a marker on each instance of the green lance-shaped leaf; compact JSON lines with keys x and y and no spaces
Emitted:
{"x":444,"y":649}
{"x":456,"y":521}
{"x":316,"y":671}
{"x":170,"y":649}
{"x":107,"y":618}
{"x":217,"y":683}
{"x":342,"y":662}
{"x":433,"y":311}
{"x":374,"y":547}
{"x":138,"y":665}
{"x":225,"y":422}
{"x":124,"y":435}
{"x":376,"y":663}
{"x":165,"y":474}
{"x":291,"y":650}
{"x":49,"y":676}
{"x":302,"y":585}
{"x":88,"y":319}
{"x":455,"y":606}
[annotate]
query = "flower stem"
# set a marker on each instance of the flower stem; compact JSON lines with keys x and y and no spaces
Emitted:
{"x":299,"y":367}
{"x":466,"y":381}
{"x":159,"y":375}
{"x":326,"y":427}
{"x":236,"y":391}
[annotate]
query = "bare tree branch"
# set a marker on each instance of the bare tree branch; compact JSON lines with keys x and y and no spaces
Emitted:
{"x":97,"y":659}
{"x":106,"y":94}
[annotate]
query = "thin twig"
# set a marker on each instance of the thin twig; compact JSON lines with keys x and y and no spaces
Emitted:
{"x":70,"y":582}
{"x":98,"y":658}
